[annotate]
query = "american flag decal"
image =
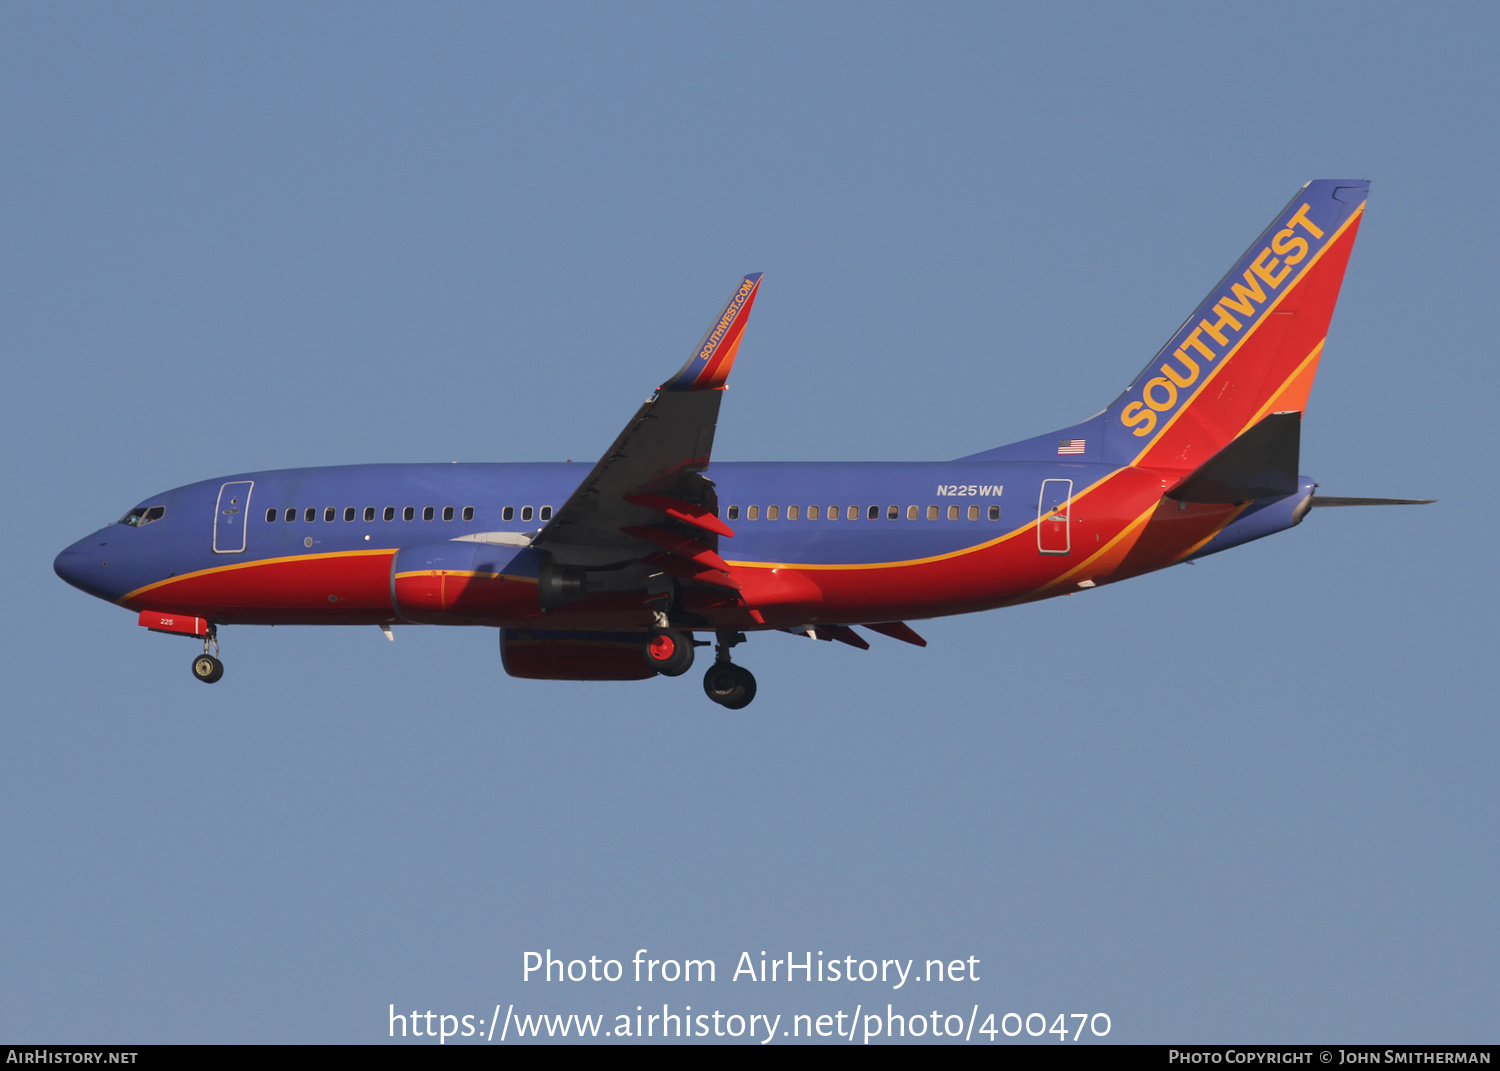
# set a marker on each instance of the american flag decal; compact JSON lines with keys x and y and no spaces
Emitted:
{"x":1070,"y":446}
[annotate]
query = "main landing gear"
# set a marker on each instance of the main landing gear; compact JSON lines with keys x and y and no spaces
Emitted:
{"x":206,"y":667}
{"x":725,"y":683}
{"x":670,"y":653}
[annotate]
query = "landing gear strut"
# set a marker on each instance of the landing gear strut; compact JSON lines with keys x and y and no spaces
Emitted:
{"x":725,"y":683}
{"x":206,"y":667}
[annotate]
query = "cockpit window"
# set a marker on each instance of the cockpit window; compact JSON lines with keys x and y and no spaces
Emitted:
{"x":143,"y":515}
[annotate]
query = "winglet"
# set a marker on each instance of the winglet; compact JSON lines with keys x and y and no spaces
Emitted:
{"x":709,"y":366}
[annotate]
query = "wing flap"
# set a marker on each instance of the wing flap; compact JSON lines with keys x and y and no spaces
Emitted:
{"x":679,"y":545}
{"x":683,"y":569}
{"x":688,"y":513}
{"x":828,"y":633}
{"x":898,"y":630}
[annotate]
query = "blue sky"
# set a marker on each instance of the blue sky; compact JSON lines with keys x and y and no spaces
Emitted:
{"x":1248,"y":800}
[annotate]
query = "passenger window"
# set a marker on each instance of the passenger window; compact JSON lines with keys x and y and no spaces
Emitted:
{"x":932,"y":513}
{"x":270,"y":514}
{"x":507,"y":514}
{"x":390,"y":513}
{"x":525,"y":513}
{"x":311,"y":514}
{"x":291,"y":515}
{"x":753,"y":513}
{"x":973,"y":513}
{"x":812,"y":513}
{"x":468,"y":513}
{"x":911,"y":513}
{"x":772,"y":512}
{"x":369,"y":513}
{"x":428,"y":513}
{"x":852,"y":513}
{"x":873,"y":513}
{"x":447,"y":513}
{"x":994,"y":513}
{"x":734,"y":513}
{"x":546,"y":513}
{"x":833,"y":513}
{"x":792,"y":513}
{"x":409,"y":513}
{"x":893,"y":513}
{"x":953,"y":513}
{"x":348,"y":513}
{"x":330,"y":513}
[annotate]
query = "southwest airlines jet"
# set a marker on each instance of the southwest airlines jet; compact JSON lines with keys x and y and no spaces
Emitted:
{"x":610,"y":577}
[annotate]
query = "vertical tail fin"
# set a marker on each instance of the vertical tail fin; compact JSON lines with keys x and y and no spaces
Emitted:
{"x":1252,"y":346}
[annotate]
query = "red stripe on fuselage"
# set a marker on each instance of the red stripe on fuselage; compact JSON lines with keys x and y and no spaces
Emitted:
{"x":454,"y":597}
{"x":353,"y":587}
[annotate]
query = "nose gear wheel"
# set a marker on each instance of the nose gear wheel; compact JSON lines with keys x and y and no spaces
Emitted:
{"x":206,"y":667}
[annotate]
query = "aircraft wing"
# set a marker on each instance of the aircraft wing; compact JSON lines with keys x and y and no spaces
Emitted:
{"x":647,"y":495}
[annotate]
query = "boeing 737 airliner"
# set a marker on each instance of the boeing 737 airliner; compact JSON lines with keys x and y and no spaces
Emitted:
{"x":610,"y":577}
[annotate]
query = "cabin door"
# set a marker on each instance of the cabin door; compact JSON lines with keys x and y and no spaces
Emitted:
{"x":1053,"y":532}
{"x":230,"y":515}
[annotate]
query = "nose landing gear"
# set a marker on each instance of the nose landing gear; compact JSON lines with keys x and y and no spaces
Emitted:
{"x":206,"y":667}
{"x":727,"y":684}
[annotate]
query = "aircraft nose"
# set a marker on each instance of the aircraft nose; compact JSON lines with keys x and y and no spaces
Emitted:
{"x":85,"y":565}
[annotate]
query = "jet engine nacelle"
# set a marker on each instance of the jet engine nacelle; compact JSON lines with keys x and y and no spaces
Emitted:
{"x":558,"y":584}
{"x":574,"y":656}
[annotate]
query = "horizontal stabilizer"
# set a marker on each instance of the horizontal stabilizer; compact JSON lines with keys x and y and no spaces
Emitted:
{"x":1259,"y":463}
{"x":1322,"y":500}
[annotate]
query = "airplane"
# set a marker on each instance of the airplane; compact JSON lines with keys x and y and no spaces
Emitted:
{"x":615,"y":575}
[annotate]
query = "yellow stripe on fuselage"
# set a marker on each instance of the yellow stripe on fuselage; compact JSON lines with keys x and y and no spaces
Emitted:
{"x":231,"y":567}
{"x":464,"y":572}
{"x":1134,"y":527}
